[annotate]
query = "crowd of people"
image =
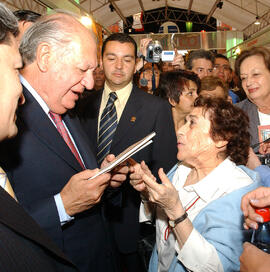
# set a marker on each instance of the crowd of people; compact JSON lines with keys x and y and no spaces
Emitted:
{"x":65,"y":114}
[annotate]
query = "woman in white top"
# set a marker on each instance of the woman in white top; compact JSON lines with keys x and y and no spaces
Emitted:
{"x":198,"y":216}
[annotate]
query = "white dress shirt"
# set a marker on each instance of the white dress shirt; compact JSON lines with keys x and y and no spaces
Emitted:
{"x":120,"y":103}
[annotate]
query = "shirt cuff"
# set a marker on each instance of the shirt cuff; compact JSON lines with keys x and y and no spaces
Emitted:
{"x":144,"y":217}
{"x":204,"y":256}
{"x":63,"y":216}
{"x":264,"y":172}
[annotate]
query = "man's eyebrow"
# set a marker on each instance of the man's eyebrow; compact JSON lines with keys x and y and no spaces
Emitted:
{"x":125,"y":56}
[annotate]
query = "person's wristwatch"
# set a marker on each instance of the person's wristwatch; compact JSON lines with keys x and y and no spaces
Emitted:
{"x":173,"y":223}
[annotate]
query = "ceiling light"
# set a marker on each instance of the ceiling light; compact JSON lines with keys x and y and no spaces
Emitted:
{"x":87,"y":21}
{"x":257,"y":22}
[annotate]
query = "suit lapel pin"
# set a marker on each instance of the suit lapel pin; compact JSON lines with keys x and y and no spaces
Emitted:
{"x":133,"y":119}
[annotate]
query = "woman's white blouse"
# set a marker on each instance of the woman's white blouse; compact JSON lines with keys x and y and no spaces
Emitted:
{"x":225,"y":178}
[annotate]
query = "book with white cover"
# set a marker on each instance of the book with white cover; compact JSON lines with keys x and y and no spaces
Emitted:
{"x":127,"y":153}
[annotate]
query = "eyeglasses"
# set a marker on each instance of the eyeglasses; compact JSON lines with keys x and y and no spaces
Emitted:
{"x":222,"y":67}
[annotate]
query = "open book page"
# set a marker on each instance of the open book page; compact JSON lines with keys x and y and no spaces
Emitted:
{"x":127,"y":153}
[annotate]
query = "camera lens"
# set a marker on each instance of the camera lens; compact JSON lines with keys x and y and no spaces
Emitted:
{"x":158,"y":50}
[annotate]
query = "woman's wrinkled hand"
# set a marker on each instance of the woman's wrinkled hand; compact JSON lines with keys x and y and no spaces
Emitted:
{"x":164,"y":195}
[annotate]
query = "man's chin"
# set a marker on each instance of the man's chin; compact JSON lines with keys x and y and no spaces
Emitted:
{"x":12,"y":133}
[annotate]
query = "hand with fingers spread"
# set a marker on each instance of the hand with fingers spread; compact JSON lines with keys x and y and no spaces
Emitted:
{"x":257,"y":198}
{"x":81,"y":194}
{"x":118,"y":174}
{"x":164,"y":195}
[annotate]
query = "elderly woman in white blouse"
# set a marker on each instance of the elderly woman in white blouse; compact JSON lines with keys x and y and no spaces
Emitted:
{"x":198,"y":216}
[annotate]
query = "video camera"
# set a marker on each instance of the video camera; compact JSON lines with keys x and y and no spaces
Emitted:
{"x":153,"y":52}
{"x":264,"y":159}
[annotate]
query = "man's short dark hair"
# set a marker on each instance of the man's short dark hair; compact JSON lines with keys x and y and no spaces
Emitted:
{"x":220,"y":56}
{"x":122,"y":38}
{"x":8,"y":24}
{"x":199,"y":54}
{"x":26,"y":15}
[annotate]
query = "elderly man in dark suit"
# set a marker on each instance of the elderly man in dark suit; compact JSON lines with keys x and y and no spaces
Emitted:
{"x":23,"y":244}
{"x":48,"y":158}
{"x":135,"y":114}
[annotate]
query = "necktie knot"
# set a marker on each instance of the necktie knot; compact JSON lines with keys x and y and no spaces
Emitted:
{"x":113,"y":97}
{"x":55,"y":117}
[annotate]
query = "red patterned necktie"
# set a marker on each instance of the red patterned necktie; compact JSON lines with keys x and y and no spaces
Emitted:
{"x":57,"y":119}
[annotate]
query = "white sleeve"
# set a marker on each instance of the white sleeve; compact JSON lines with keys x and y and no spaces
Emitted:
{"x":143,"y":216}
{"x":198,"y":254}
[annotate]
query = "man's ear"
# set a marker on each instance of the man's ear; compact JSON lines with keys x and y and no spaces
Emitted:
{"x":172,"y":102}
{"x":101,"y":63}
{"x":43,"y":56}
{"x":25,"y":25}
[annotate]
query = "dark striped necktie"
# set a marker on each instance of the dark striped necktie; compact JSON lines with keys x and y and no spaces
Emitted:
{"x":107,"y":127}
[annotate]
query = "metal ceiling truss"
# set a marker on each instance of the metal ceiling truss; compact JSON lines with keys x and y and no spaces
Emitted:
{"x":118,"y":11}
{"x":175,"y":15}
{"x":213,"y":9}
{"x":252,"y":28}
{"x":190,"y":6}
{"x":141,"y":5}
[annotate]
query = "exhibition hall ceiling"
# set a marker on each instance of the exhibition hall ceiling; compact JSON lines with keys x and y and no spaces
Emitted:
{"x":237,"y":13}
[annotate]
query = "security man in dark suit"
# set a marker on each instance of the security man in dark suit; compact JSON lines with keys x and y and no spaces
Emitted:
{"x":136,"y":114}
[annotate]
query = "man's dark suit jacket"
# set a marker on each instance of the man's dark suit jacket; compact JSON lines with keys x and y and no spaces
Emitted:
{"x":24,"y":246}
{"x":143,"y":114}
{"x":252,"y":112}
{"x":39,"y":166}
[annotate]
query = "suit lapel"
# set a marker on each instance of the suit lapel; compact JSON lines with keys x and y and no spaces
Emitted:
{"x":14,"y":216}
{"x":38,"y":122}
{"x":95,"y":107}
{"x":129,"y":115}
